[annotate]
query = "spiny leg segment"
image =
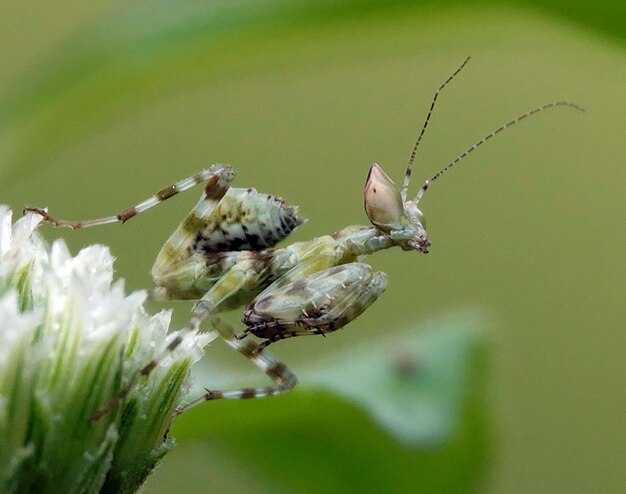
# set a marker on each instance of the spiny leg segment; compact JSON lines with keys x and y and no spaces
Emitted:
{"x":210,"y":175}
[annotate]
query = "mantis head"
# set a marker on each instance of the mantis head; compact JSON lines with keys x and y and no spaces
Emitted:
{"x":387,"y":211}
{"x":387,"y":206}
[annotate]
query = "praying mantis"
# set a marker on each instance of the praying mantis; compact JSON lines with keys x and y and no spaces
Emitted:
{"x":224,"y":255}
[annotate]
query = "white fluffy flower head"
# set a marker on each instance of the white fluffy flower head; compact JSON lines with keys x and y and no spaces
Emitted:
{"x":71,"y":340}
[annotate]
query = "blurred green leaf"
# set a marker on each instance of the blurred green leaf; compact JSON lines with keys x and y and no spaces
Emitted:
{"x":414,"y":382}
{"x":314,"y":442}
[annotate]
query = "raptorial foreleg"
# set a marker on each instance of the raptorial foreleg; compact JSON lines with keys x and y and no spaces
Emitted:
{"x":320,"y":303}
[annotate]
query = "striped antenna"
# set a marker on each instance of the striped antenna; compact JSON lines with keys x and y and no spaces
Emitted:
{"x":424,"y":187}
{"x":409,"y":168}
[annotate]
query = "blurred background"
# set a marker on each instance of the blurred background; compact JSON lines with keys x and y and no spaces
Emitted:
{"x":494,"y":364}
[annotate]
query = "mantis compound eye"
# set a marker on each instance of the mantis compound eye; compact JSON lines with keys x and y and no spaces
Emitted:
{"x":383,"y":204}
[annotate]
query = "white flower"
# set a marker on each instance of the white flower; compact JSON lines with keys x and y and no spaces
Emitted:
{"x":71,"y":339}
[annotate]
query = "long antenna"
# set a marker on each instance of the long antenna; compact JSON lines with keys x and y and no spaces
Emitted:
{"x":409,"y":168}
{"x":424,"y":187}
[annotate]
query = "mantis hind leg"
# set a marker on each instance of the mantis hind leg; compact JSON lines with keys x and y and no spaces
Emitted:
{"x":217,"y":178}
{"x":284,"y":379}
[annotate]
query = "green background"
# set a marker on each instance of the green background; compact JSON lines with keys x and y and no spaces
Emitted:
{"x":101,"y":104}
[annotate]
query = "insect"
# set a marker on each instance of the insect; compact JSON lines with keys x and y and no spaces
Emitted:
{"x":224,"y":255}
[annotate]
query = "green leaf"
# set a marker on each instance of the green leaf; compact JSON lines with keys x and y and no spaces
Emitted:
{"x":415,"y":382}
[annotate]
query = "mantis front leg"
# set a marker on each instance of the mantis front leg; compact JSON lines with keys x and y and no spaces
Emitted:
{"x":320,"y":303}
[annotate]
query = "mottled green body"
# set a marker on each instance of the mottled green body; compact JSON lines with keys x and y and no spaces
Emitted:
{"x":215,"y":254}
{"x":223,"y":254}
